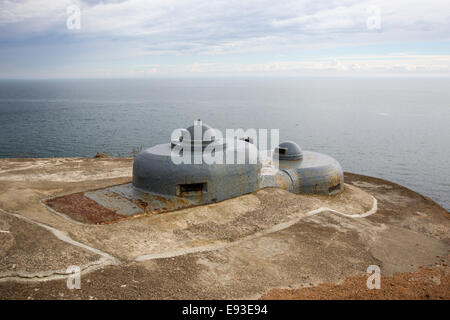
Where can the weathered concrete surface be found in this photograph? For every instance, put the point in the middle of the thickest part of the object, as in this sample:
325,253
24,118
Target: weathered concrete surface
27,250
238,248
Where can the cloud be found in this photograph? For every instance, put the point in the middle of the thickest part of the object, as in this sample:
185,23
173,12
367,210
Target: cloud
243,34
220,22
349,65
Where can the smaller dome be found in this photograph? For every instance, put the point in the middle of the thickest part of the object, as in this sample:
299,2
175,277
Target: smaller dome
289,150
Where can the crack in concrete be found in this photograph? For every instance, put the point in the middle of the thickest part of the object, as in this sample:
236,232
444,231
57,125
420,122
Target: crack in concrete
52,274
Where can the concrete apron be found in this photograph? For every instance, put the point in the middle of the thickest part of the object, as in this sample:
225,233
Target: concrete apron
256,236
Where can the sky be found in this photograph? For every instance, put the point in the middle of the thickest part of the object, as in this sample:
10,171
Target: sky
48,39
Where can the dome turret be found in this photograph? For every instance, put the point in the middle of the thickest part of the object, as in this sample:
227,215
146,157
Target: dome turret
289,150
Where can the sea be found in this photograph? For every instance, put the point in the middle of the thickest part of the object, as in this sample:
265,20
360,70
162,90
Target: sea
395,128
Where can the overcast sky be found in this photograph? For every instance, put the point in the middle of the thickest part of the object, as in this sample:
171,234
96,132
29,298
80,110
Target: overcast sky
159,38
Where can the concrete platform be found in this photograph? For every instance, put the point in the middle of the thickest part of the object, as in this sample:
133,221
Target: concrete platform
237,248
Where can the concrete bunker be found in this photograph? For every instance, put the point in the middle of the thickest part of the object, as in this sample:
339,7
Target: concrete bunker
194,169
179,169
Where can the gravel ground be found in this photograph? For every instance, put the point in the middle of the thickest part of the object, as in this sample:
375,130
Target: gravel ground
427,283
